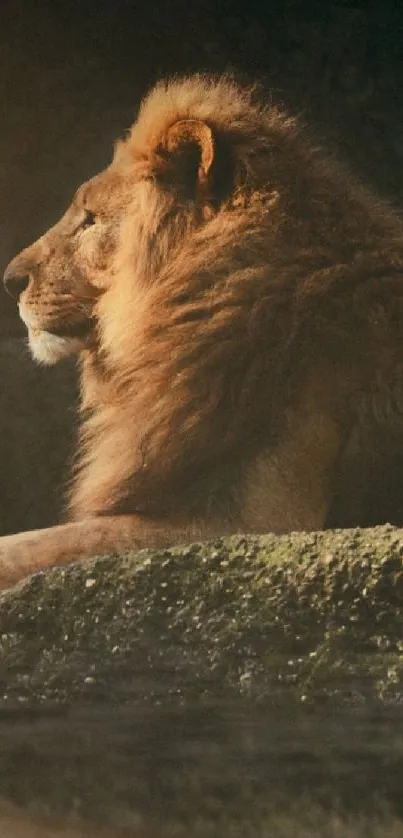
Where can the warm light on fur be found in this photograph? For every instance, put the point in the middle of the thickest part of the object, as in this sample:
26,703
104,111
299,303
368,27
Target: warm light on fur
235,299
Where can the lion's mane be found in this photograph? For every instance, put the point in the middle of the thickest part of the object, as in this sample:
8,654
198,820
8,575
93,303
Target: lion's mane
215,321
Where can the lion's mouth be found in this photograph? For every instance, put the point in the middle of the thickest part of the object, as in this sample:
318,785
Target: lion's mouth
72,330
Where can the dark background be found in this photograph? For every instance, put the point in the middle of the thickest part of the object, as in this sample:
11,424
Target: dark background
72,73
71,77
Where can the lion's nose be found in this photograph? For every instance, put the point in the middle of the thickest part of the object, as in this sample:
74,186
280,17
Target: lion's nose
14,282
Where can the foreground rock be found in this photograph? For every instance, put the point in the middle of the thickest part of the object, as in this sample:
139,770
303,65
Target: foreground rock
247,687
305,613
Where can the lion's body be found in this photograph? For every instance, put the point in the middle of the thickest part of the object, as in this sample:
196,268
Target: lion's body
236,301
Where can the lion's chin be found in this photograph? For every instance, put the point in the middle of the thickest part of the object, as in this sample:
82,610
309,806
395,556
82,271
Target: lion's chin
48,348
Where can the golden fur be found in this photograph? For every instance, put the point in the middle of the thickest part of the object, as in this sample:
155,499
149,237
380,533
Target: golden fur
235,301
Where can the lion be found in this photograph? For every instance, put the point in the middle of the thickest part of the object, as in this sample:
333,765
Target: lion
234,299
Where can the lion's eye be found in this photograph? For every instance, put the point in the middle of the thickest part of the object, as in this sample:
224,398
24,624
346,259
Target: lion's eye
88,221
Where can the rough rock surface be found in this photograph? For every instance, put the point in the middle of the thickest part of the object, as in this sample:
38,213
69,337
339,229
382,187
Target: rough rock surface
248,686
238,614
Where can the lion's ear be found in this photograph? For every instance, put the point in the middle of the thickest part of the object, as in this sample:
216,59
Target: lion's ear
190,150
189,135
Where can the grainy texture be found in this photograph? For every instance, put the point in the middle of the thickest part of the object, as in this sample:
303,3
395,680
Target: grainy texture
65,97
238,615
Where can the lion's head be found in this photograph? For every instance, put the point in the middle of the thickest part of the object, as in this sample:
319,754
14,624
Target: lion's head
200,150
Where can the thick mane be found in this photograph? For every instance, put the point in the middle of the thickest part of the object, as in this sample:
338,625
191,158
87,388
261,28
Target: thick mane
204,357
218,101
